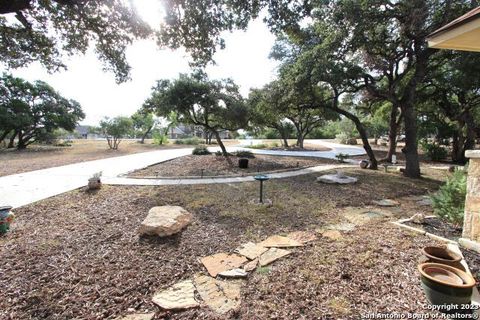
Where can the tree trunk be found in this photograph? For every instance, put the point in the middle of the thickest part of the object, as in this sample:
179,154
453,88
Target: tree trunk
457,148
284,136
11,143
300,140
142,140
412,167
21,144
220,143
392,134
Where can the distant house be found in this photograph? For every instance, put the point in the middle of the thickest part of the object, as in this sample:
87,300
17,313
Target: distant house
185,131
82,131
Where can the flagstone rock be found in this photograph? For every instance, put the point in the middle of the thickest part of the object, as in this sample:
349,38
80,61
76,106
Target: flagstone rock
251,250
344,226
234,273
272,255
165,220
361,216
138,316
337,178
425,202
386,203
302,236
222,262
220,296
252,265
279,242
332,234
179,296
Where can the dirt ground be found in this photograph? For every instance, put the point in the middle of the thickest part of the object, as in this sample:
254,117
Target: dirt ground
78,255
213,165
37,157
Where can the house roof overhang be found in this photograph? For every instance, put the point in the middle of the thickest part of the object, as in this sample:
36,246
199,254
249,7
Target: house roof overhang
462,33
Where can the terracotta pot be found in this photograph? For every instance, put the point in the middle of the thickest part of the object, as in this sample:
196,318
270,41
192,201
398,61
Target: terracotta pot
441,255
446,285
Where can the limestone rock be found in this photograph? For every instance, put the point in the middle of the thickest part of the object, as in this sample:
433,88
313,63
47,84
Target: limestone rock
164,221
302,236
234,273
279,242
252,265
272,255
138,316
220,296
344,226
418,218
179,296
222,262
425,202
251,250
386,203
338,178
332,234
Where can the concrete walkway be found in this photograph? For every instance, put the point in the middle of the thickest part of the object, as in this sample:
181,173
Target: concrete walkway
21,189
24,188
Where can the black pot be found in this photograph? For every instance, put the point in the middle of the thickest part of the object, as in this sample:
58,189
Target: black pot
243,163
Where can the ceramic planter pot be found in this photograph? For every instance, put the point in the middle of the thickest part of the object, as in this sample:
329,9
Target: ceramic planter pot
6,218
441,255
445,285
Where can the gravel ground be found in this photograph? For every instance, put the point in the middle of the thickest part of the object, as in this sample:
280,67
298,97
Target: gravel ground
213,165
78,255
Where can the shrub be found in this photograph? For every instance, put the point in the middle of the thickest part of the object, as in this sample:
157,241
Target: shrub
218,153
258,146
434,151
341,157
341,138
201,151
449,201
194,141
159,138
244,154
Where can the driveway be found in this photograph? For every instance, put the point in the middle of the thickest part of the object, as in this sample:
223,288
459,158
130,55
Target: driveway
24,188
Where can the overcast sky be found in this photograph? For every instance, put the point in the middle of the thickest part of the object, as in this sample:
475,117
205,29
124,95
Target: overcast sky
245,59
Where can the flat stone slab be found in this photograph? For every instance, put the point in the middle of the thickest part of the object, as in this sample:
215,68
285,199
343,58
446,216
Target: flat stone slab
222,262
277,241
252,265
164,221
220,296
234,273
138,316
251,250
302,236
426,202
337,178
332,234
179,296
362,216
344,226
386,203
272,255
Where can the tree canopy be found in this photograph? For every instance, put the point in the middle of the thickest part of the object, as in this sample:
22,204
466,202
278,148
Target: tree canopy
215,105
30,111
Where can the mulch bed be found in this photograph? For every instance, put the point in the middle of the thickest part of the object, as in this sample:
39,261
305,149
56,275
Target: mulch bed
78,255
213,165
440,228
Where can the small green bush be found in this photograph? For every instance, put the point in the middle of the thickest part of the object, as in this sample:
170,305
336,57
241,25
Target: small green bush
341,157
434,151
449,201
194,141
201,151
258,146
244,154
341,138
159,138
